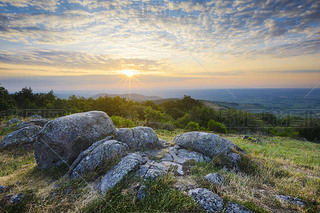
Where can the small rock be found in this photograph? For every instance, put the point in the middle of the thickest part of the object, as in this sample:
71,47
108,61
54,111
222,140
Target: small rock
236,208
17,198
234,162
67,191
167,157
245,137
292,200
142,192
210,201
3,189
13,121
36,116
179,169
214,178
163,142
127,164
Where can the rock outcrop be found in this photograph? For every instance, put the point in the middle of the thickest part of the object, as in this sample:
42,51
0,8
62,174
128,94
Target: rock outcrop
99,154
208,144
210,201
138,138
61,140
129,163
20,136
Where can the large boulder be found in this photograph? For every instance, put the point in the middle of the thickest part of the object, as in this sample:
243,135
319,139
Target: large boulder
99,154
208,200
139,138
20,136
61,140
127,164
206,143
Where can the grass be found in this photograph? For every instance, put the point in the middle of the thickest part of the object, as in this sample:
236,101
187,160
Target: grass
160,197
276,166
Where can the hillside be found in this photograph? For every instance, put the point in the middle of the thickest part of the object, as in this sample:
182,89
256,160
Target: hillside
272,166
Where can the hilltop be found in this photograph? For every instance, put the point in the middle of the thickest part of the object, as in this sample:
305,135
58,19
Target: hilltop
258,174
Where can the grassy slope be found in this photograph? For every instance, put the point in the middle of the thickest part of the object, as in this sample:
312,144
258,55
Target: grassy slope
286,166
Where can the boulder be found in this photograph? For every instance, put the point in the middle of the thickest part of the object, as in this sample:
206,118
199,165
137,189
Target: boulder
99,154
236,208
127,164
61,140
208,144
138,138
208,200
214,178
20,136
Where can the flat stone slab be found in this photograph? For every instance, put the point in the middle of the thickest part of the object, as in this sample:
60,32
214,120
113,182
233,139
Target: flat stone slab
127,164
291,200
98,155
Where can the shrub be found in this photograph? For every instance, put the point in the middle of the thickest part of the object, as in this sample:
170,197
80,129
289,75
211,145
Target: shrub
192,126
119,121
153,115
216,127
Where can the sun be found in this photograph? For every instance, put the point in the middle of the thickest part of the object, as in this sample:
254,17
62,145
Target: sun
128,73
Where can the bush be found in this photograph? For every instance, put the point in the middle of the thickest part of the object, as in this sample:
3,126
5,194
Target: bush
216,127
192,126
119,121
153,115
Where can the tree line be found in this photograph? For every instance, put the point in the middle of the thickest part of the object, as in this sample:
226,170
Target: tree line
186,113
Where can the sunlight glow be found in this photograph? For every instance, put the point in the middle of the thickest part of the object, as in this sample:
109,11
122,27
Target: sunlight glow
129,73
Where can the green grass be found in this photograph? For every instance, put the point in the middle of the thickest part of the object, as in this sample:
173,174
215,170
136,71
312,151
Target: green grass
160,197
296,151
15,158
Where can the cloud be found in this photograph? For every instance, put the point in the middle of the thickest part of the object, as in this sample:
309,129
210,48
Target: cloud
294,71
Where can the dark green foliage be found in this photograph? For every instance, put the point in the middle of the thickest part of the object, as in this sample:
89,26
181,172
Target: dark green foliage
167,115
216,127
6,100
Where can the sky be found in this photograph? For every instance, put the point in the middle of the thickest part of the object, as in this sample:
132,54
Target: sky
95,44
